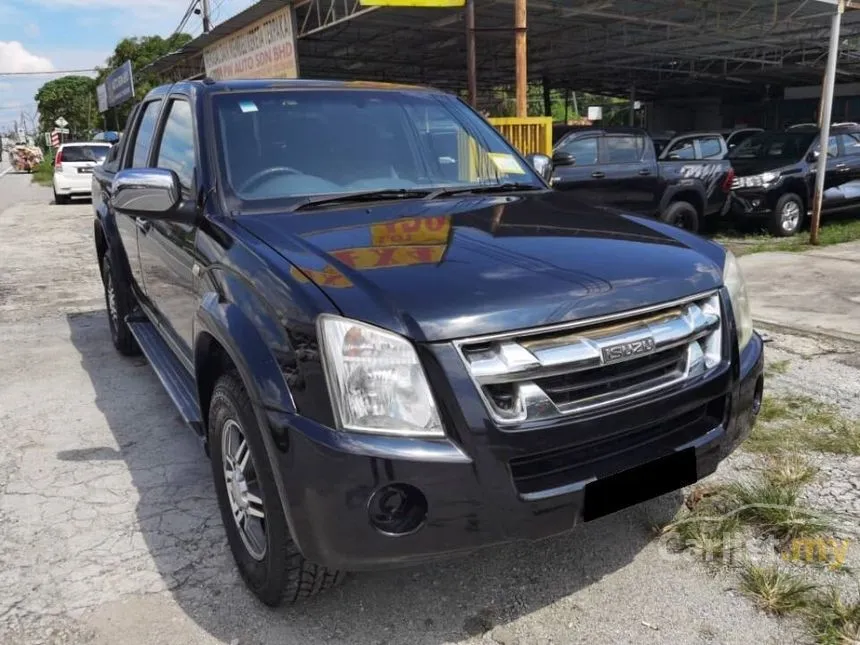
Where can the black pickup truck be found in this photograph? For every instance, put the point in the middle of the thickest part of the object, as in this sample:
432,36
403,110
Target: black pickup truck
395,340
776,175
618,167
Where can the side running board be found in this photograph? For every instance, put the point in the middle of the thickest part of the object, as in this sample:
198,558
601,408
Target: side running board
172,374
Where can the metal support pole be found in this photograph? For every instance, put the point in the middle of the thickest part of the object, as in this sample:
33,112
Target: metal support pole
632,114
547,98
521,57
206,23
824,120
471,60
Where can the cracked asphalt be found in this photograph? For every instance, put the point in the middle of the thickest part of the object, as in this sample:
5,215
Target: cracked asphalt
110,534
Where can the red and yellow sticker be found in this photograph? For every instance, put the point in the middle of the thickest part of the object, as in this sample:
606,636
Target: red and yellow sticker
412,230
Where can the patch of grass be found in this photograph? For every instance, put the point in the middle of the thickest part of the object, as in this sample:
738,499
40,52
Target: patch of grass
707,527
832,620
777,368
773,510
832,232
775,590
789,470
797,423
43,174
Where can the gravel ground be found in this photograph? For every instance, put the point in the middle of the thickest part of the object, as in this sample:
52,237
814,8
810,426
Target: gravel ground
109,531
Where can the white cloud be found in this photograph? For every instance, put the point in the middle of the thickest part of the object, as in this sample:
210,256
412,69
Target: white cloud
14,58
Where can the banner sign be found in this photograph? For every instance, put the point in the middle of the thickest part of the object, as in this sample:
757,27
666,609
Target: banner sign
120,85
412,3
264,49
101,97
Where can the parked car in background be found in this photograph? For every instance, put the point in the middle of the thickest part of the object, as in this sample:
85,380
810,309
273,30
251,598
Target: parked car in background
394,359
694,145
775,175
736,137
73,169
618,167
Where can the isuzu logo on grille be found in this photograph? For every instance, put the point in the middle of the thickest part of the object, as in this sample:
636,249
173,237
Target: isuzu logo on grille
623,351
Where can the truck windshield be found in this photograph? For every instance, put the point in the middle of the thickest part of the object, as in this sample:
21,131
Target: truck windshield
300,143
786,146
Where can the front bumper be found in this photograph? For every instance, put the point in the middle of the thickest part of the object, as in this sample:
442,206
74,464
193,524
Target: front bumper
473,484
751,203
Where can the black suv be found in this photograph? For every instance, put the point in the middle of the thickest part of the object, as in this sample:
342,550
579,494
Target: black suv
396,341
775,175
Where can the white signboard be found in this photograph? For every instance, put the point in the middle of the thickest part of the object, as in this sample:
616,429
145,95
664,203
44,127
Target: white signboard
61,122
264,49
61,130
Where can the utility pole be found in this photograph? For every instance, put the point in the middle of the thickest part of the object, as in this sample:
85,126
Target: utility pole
206,25
824,121
521,54
471,60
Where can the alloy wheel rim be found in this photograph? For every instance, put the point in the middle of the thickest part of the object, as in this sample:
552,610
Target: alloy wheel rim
790,216
243,489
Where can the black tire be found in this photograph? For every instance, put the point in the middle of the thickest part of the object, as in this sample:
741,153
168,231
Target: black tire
683,215
118,307
60,199
787,216
279,573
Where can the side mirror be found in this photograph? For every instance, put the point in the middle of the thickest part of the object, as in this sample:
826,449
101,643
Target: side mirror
542,165
813,156
151,193
563,159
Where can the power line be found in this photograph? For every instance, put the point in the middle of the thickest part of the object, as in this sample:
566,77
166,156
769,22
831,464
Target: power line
185,17
56,71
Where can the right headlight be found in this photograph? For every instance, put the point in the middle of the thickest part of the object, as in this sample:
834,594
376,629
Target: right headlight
375,380
734,281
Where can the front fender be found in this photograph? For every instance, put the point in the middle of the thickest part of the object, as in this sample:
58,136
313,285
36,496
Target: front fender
261,372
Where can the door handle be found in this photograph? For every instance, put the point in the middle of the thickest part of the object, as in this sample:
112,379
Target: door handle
644,171
598,175
842,168
142,225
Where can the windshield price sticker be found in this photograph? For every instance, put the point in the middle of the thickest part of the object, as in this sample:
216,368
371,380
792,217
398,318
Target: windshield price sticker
506,163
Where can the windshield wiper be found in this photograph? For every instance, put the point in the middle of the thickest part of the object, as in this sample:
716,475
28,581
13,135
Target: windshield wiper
366,196
507,187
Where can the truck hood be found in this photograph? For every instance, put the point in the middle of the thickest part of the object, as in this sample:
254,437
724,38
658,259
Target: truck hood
444,269
747,167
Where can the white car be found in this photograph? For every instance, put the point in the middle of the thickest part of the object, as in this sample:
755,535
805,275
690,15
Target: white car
73,169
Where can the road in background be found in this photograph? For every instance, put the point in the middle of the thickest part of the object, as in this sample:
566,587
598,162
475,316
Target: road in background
18,187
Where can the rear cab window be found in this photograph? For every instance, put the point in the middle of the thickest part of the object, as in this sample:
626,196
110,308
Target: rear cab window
84,153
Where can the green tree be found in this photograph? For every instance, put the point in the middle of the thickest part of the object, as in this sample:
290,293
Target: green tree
141,52
70,97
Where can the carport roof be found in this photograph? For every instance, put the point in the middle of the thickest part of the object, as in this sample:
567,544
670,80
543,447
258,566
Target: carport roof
662,47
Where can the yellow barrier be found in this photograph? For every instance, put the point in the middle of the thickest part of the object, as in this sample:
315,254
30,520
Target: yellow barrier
529,135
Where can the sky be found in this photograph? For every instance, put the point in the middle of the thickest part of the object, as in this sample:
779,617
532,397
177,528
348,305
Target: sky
54,35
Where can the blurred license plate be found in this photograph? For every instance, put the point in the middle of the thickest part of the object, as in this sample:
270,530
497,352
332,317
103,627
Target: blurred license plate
85,170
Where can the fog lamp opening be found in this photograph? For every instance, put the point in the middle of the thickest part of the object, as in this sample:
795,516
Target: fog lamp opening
397,509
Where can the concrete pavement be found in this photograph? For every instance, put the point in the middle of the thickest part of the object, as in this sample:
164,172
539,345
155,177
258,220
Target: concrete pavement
813,292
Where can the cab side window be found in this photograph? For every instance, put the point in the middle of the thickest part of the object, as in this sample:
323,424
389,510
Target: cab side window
583,150
683,150
143,135
176,149
711,148
850,143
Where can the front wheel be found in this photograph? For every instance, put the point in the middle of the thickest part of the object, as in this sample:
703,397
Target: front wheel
787,215
257,531
683,215
118,304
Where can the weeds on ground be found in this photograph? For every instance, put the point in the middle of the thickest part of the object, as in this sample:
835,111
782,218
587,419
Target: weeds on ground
832,620
789,470
708,527
773,510
802,423
43,173
775,590
777,368
833,232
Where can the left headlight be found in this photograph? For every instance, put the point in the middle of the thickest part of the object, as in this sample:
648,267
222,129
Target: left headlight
375,380
734,281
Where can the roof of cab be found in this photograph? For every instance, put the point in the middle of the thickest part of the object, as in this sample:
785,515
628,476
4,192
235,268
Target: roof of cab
209,85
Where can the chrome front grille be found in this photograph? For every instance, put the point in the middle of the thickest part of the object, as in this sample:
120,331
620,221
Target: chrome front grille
583,366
